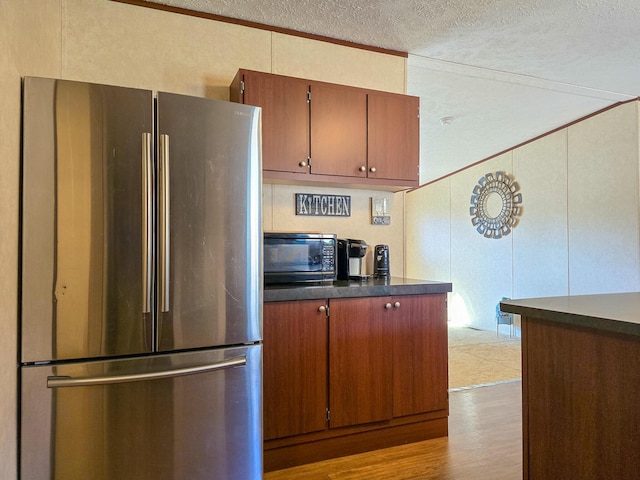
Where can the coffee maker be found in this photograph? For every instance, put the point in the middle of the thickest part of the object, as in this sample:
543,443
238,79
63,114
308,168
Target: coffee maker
351,259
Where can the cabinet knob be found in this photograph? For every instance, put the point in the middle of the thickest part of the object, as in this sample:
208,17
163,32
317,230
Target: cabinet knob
372,169
322,309
363,168
387,306
302,164
396,305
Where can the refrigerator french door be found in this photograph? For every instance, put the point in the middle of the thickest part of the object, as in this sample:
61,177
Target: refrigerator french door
141,317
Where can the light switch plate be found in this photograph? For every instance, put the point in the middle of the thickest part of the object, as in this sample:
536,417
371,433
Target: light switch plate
380,211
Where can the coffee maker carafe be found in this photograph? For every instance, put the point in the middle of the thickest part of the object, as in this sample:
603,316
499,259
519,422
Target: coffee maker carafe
352,259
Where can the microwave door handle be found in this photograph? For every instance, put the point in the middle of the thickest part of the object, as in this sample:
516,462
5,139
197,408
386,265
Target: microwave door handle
165,227
147,222
63,381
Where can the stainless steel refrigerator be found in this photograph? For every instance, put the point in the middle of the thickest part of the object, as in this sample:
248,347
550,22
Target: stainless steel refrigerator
141,285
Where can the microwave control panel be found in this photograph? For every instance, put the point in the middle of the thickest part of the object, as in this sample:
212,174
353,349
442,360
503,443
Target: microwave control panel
329,256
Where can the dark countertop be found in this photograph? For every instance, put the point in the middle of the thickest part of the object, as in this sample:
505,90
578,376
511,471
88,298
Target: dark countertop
373,287
615,312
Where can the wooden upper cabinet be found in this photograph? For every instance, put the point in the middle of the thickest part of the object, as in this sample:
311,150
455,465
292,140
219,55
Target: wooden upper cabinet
285,119
393,127
323,132
294,368
338,131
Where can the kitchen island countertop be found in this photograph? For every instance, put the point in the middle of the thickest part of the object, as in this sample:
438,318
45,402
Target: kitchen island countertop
372,287
614,312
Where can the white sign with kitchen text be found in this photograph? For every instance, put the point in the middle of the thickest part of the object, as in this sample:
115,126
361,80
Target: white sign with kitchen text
313,204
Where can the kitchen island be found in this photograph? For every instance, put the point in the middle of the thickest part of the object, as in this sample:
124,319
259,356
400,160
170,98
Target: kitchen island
581,382
353,366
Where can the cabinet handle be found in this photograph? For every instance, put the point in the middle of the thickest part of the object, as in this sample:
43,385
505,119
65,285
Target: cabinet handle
396,305
322,309
363,168
302,164
372,169
387,306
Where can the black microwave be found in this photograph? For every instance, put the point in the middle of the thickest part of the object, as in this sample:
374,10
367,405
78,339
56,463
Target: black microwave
299,257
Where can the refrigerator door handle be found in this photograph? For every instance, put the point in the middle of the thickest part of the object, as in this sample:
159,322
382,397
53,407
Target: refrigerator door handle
147,222
58,382
164,223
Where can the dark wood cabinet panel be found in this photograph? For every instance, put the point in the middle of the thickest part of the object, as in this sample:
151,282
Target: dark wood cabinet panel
285,119
379,364
360,368
338,131
393,127
342,135
580,390
295,368
420,355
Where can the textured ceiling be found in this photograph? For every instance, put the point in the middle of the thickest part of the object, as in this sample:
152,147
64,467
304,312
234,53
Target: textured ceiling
505,70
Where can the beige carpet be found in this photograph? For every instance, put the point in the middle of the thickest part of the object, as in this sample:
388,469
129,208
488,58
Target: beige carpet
480,357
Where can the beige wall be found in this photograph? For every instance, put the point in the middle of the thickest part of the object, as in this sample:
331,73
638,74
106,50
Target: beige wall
108,42
140,47
475,284
279,203
36,52
603,203
540,240
578,232
301,57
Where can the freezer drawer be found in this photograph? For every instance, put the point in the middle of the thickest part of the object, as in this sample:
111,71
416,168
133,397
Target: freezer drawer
193,415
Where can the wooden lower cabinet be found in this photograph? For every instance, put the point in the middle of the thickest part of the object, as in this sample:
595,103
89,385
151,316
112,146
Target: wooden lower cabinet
343,376
420,354
295,368
360,361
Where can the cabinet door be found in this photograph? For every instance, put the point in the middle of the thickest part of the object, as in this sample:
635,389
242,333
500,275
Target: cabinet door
338,131
295,368
285,119
420,354
394,136
360,361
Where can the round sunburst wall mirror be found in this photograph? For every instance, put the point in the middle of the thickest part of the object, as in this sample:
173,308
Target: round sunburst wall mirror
495,205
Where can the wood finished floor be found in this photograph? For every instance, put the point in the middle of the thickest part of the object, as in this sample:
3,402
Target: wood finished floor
484,443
